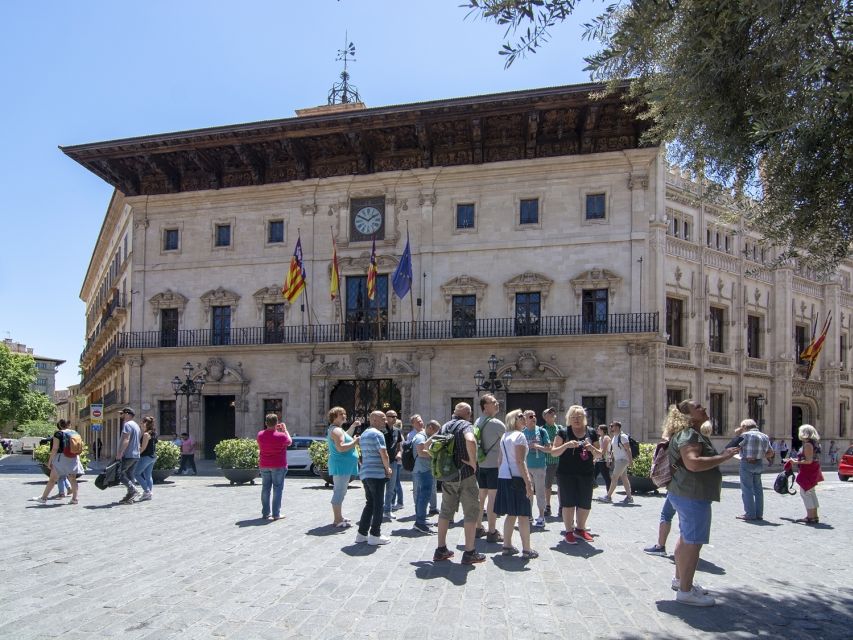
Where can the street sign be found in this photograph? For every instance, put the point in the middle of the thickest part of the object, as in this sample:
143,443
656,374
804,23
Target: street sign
96,426
97,412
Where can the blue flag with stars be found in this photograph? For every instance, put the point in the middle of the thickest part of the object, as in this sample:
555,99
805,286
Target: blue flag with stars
402,278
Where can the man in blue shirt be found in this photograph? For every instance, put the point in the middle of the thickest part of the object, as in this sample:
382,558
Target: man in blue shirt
374,474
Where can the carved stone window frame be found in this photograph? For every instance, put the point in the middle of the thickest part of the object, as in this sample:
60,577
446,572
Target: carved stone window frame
527,282
357,266
167,299
608,204
529,195
596,278
269,295
161,238
217,222
463,285
219,297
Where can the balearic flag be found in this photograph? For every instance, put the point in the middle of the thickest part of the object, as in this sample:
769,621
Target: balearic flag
402,278
295,282
335,282
371,273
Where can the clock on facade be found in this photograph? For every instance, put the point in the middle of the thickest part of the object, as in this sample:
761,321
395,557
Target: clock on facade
367,219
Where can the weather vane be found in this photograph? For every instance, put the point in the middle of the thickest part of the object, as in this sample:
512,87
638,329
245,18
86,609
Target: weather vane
343,92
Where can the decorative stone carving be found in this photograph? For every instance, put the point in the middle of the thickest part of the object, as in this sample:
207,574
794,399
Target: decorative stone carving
215,369
218,297
358,266
596,279
269,295
463,286
638,181
167,299
363,365
527,281
528,366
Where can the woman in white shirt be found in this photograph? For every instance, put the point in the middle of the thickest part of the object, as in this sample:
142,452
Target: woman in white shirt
515,487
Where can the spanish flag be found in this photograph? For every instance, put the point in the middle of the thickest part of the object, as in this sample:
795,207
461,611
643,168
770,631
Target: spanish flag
811,352
295,282
371,273
334,284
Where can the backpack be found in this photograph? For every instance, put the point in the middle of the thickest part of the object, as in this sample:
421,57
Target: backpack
784,483
72,443
661,471
632,444
408,456
442,450
478,436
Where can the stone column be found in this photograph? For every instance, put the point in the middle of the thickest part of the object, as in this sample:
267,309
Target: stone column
781,355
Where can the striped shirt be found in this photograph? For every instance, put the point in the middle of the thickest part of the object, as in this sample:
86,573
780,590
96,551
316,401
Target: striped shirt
371,442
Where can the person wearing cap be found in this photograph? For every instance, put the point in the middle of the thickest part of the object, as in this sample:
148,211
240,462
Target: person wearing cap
128,453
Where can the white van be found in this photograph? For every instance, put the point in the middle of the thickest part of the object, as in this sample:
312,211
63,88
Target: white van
29,443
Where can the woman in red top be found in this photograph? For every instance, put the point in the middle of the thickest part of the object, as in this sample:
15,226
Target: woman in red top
272,460
808,475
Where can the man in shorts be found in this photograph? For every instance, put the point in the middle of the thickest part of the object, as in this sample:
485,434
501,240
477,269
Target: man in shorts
491,432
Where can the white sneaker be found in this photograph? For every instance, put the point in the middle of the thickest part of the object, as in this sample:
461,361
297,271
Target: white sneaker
695,598
676,585
539,522
145,496
377,540
360,538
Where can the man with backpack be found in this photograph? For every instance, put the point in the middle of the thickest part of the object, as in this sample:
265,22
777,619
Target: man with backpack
454,457
64,460
621,457
488,431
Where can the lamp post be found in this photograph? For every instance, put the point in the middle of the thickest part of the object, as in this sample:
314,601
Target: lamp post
187,387
759,402
492,384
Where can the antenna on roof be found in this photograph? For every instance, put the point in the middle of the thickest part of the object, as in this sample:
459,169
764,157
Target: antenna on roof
343,92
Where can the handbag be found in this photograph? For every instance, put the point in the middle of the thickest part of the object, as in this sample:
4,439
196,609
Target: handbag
516,482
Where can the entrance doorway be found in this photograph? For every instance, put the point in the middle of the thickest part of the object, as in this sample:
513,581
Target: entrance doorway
537,402
360,397
218,422
797,420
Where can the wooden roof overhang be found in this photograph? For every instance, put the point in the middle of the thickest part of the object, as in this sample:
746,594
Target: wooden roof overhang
519,125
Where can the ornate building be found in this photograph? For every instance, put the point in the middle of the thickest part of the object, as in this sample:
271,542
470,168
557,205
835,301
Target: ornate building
541,231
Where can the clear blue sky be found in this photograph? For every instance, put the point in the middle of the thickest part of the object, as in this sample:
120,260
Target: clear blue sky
88,71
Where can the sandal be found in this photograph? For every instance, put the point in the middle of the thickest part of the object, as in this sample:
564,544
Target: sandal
343,524
529,554
509,551
73,501
807,520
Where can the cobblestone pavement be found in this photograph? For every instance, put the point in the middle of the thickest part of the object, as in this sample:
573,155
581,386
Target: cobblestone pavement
196,562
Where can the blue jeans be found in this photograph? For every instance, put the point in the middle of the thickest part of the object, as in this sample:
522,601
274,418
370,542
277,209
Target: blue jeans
751,491
272,478
391,487
423,483
371,516
143,472
667,512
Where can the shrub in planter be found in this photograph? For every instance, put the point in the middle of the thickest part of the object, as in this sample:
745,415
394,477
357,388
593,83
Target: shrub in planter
237,453
640,469
168,456
319,454
42,452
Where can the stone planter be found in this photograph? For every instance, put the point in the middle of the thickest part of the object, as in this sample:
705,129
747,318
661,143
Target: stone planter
160,475
642,485
322,472
241,476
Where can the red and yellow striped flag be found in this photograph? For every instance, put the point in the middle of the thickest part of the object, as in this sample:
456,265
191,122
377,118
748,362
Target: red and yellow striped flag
295,282
371,273
335,282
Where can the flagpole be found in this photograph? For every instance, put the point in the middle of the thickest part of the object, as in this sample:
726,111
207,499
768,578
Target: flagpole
411,292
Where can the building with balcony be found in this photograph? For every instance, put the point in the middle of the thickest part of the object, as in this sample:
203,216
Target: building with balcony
541,231
45,381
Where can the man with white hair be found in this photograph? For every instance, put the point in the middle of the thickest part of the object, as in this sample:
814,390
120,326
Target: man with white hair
754,448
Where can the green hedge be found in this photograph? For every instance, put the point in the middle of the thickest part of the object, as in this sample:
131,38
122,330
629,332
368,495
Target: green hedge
237,453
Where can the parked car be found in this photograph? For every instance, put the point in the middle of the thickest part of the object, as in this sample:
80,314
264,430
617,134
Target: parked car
297,453
845,465
29,443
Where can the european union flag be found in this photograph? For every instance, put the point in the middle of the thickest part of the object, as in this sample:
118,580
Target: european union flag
402,278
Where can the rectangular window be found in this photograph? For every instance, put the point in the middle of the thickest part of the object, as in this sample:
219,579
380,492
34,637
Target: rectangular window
527,312
801,341
674,397
366,319
715,329
595,209
168,420
529,211
842,350
753,336
220,325
728,243
674,322
842,420
594,310
168,327
272,405
464,216
753,411
716,408
686,234
464,315
273,323
596,410
708,237
170,239
275,231
223,235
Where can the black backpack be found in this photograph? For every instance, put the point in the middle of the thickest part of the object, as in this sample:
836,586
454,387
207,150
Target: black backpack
408,456
633,444
784,483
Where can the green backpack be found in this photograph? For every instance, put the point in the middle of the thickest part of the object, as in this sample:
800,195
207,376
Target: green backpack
478,436
442,450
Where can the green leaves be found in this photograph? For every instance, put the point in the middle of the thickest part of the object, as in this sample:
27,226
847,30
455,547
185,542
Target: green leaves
168,455
17,402
239,453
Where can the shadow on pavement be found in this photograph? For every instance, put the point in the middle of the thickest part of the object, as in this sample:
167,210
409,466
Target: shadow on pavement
454,573
511,563
728,484
819,525
577,550
253,522
410,533
359,549
327,530
709,567
109,505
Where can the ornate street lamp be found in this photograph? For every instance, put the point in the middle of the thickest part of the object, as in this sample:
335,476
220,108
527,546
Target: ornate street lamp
759,402
492,384
187,387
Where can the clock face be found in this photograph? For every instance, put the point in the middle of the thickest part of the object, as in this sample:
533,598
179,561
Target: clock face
368,220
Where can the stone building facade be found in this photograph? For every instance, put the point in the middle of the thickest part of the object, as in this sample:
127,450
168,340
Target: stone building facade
541,232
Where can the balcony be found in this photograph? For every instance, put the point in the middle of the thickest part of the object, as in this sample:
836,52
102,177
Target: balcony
110,398
114,308
84,412
103,361
618,323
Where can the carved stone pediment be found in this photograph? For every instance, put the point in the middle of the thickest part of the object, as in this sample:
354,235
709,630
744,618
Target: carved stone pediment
168,299
596,279
464,286
218,297
528,365
524,283
358,266
269,295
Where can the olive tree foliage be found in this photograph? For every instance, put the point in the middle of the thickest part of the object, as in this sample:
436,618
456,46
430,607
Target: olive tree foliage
18,402
754,96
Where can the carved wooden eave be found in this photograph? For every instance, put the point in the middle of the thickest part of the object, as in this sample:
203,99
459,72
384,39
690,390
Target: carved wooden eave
596,279
536,123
